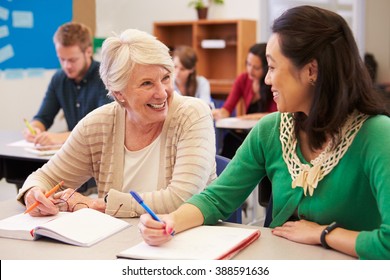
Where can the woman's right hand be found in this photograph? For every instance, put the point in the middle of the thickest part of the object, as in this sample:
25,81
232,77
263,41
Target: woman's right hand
153,232
28,136
45,208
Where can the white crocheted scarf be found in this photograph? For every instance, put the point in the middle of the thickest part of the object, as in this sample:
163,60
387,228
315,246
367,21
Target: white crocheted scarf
307,176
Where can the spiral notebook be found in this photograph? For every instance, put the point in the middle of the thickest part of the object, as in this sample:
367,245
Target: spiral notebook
200,243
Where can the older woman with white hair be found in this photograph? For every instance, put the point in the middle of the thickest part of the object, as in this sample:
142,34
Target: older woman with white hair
151,140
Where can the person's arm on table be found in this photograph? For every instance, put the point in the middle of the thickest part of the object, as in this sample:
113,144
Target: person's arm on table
46,206
220,113
254,116
37,127
51,138
68,200
75,201
42,137
307,232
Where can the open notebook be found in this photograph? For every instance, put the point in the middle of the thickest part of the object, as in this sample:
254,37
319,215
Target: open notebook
203,243
84,227
40,152
36,150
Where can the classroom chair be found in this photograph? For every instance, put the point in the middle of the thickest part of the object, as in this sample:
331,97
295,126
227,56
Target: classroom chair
265,199
222,162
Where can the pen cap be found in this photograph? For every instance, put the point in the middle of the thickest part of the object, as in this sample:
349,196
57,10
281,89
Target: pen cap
136,197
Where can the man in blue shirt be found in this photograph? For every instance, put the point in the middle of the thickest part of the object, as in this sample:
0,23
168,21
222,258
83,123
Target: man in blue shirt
76,88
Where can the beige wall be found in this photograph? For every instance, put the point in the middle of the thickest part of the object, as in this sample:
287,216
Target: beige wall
378,35
84,11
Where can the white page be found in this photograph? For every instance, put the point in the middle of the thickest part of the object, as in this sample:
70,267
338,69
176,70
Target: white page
38,152
204,242
20,225
22,143
84,227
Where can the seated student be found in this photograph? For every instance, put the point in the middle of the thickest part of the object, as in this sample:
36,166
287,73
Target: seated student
256,94
327,152
151,140
76,88
187,82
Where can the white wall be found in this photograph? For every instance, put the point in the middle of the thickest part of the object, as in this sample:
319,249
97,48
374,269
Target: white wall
126,14
139,14
21,98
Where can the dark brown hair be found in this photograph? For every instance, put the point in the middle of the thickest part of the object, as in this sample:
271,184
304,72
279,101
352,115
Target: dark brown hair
343,84
188,59
73,34
265,90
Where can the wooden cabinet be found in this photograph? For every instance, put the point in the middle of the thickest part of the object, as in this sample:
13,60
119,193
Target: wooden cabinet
219,65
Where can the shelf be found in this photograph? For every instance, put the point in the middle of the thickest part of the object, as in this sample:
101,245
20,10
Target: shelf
221,87
220,66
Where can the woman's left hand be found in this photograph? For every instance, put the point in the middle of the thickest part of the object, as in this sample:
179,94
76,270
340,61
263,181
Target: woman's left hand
70,201
300,231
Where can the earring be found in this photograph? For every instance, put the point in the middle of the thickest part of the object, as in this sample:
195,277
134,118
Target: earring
312,82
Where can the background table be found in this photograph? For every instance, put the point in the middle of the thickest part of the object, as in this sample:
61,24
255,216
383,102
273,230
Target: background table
15,162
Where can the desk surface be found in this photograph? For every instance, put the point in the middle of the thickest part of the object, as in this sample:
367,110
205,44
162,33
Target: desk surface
267,247
7,151
235,123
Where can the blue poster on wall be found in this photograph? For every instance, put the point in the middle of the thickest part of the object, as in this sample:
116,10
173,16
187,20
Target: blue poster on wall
26,32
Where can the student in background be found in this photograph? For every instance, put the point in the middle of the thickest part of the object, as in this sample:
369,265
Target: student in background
76,88
257,96
251,87
187,82
150,140
372,67
327,152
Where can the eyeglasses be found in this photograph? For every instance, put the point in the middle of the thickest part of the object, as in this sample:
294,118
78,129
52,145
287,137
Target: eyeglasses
67,204
80,203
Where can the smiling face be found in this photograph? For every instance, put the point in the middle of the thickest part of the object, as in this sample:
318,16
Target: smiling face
147,95
291,87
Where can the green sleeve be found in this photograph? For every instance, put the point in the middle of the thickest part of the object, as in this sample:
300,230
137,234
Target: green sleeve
375,244
241,176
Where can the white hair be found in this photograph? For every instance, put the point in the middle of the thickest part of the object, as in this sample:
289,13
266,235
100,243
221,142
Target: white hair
121,53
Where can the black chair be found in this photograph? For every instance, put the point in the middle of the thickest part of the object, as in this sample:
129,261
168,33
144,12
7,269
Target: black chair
265,199
222,162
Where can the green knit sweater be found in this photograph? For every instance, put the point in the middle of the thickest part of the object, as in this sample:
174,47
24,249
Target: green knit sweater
356,193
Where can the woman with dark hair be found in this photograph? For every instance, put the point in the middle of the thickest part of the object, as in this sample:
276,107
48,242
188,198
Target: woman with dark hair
251,87
257,97
187,81
326,151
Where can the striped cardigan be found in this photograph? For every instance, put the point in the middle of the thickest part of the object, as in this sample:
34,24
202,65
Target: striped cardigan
95,148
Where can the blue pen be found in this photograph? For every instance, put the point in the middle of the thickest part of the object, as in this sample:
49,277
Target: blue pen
146,207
